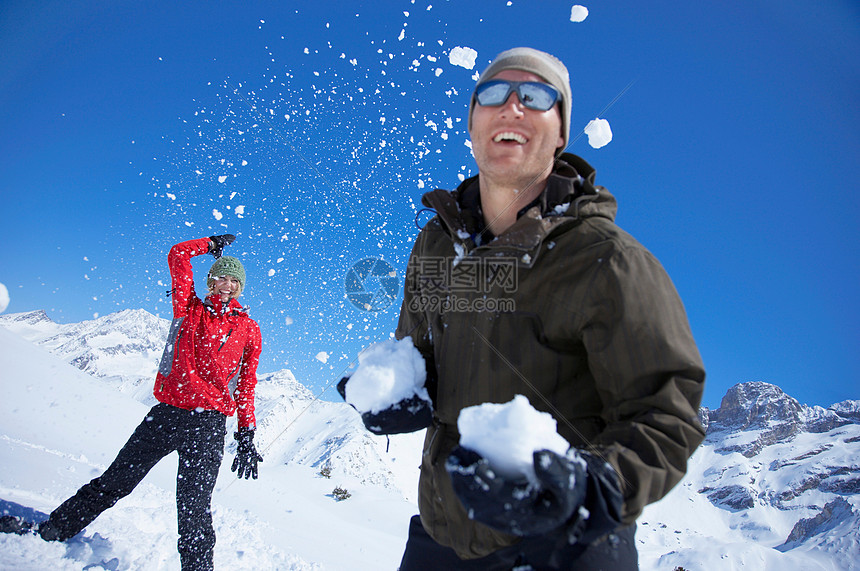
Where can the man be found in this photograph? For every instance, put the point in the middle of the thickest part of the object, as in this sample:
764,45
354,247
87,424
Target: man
523,284
207,372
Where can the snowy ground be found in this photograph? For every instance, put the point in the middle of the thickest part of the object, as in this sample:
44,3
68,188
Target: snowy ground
59,427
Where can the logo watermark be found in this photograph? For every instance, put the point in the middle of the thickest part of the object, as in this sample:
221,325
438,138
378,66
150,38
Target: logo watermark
455,303
371,284
462,284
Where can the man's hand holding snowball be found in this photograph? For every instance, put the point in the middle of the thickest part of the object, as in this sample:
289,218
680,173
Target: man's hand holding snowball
558,490
406,415
388,388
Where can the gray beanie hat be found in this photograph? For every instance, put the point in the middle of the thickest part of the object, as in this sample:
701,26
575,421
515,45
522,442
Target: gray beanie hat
541,64
226,266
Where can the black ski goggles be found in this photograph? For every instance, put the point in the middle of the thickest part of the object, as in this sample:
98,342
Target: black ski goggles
532,94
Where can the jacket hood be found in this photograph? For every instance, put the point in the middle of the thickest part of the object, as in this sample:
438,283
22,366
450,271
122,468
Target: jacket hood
570,196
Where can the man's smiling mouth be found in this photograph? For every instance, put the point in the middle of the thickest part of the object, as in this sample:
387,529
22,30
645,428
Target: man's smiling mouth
510,136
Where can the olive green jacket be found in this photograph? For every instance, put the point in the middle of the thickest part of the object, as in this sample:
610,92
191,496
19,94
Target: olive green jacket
570,311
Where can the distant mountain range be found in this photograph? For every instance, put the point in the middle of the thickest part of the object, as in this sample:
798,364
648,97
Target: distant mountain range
776,483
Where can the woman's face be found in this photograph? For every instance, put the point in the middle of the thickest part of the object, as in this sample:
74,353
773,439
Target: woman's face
226,287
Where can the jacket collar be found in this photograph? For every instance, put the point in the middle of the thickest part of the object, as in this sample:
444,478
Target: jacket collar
570,195
215,306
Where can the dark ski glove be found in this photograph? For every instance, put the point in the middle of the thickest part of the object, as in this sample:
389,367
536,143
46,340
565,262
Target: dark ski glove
565,485
218,243
407,415
246,455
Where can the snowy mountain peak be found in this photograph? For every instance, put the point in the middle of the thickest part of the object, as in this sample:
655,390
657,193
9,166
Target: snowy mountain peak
29,318
755,405
28,325
847,409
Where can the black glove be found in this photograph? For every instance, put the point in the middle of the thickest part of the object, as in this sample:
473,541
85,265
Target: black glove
218,243
407,415
518,506
246,455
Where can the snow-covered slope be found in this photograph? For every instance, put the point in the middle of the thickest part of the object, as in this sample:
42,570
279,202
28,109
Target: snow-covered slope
60,427
775,484
122,348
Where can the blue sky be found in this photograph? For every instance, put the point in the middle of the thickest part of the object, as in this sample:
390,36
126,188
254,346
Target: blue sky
311,130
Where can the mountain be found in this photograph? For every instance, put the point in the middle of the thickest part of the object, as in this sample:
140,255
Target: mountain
124,349
775,479
774,485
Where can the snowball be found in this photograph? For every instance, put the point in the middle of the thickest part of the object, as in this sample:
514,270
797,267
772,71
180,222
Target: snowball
217,214
508,434
464,57
4,298
578,13
599,133
387,373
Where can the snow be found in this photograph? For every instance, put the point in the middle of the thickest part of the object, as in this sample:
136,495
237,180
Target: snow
463,57
507,435
61,426
4,297
388,372
578,13
599,133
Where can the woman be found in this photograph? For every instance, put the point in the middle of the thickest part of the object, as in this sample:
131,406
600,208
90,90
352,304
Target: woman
207,372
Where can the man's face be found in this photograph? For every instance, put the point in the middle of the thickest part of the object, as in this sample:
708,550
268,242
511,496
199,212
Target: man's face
511,143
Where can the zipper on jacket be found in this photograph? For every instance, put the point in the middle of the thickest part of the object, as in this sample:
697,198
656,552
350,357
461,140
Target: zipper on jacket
225,339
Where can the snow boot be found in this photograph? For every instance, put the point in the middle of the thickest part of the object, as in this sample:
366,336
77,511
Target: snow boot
48,531
15,524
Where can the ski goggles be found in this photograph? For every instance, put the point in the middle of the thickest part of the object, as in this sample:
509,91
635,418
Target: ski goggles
532,94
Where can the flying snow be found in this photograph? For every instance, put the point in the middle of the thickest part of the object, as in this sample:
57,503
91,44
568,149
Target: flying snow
388,372
4,298
464,57
322,357
508,434
599,133
578,13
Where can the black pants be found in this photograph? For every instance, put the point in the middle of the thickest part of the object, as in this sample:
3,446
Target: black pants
199,439
614,552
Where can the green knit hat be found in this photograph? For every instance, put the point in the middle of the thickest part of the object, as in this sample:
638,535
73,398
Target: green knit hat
541,64
226,266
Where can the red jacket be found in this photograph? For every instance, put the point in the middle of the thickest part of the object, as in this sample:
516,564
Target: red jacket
210,360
